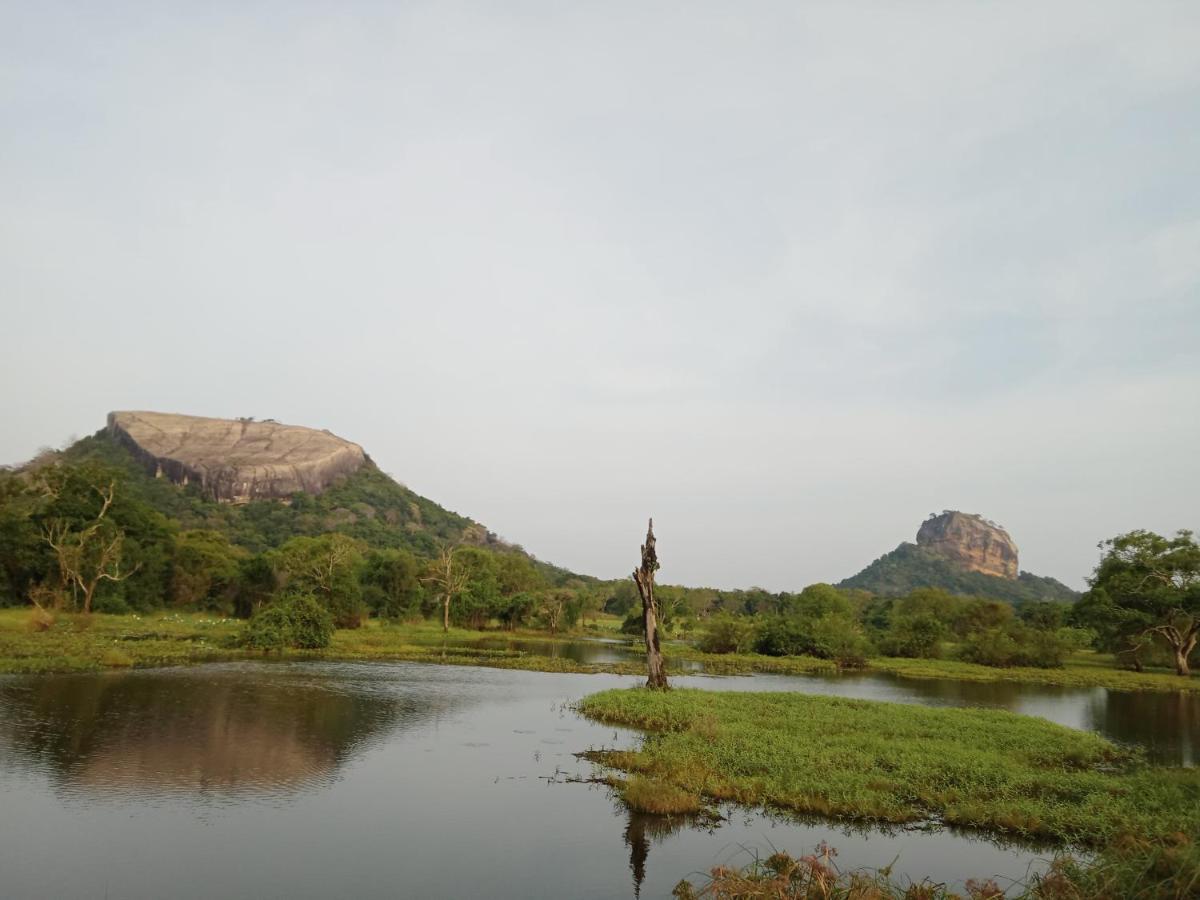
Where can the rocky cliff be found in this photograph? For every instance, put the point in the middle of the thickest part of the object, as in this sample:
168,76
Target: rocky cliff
236,460
960,553
970,541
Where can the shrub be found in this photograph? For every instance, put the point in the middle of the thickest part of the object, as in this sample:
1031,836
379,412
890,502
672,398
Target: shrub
989,647
40,619
114,604
1077,638
832,636
1015,645
782,636
297,620
725,634
1042,650
915,637
838,637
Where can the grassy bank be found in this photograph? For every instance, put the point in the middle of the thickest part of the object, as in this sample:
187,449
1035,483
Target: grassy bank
79,643
1081,670
99,641
883,762
1007,774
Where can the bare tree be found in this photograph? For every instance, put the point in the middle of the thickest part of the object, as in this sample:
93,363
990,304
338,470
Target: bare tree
643,577
89,555
448,580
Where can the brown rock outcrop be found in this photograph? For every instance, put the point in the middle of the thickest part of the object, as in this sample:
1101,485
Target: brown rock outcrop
971,541
236,460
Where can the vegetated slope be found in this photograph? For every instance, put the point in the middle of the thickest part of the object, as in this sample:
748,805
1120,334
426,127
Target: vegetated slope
909,567
367,504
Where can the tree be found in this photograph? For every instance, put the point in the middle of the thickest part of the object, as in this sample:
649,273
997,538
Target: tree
205,569
326,567
447,579
1149,585
643,577
392,578
559,607
90,554
479,597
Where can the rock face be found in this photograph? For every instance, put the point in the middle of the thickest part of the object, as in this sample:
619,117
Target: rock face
236,460
970,541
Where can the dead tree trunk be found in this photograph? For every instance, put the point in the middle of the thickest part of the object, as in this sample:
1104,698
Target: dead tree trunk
643,577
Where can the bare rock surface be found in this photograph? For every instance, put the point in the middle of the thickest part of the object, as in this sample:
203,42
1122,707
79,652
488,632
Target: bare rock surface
971,541
237,460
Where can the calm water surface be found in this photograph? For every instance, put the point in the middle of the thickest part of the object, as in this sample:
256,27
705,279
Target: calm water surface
1165,725
346,780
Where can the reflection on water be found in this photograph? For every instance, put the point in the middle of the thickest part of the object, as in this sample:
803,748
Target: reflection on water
1166,725
585,651
332,779
206,730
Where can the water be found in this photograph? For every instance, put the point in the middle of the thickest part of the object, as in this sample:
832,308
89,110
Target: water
335,779
1165,725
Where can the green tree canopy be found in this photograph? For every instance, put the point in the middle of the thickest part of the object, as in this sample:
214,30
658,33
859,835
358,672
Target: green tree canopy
1147,585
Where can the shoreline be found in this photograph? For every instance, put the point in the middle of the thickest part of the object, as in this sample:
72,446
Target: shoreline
112,642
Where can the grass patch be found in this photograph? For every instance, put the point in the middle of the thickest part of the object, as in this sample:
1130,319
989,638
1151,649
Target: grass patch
1143,870
659,798
1081,670
865,760
72,643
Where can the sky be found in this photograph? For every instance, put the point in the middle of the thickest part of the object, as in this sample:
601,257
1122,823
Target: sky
786,276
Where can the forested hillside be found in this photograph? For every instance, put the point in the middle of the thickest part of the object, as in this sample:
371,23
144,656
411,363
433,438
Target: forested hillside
909,567
143,542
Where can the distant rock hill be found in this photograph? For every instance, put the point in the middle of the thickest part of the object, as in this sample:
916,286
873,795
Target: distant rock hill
236,460
962,553
261,483
970,541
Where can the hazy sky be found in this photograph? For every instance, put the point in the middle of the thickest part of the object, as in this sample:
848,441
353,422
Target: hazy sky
787,276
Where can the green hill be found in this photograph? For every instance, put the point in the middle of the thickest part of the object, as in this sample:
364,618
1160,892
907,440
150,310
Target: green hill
367,504
153,513
909,567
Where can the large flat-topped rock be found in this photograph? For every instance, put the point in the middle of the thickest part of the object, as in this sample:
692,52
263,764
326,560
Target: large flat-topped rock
237,459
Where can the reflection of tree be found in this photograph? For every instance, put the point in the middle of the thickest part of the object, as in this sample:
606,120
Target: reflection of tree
643,829
228,729
1166,724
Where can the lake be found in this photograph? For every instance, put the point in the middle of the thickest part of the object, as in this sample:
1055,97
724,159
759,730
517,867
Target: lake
1164,724
336,779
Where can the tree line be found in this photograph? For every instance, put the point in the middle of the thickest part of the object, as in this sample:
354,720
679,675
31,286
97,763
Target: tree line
75,537
90,534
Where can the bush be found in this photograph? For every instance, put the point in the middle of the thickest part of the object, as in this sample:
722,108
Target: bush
114,604
989,647
782,636
1015,645
838,637
1077,638
915,637
725,634
832,636
296,621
